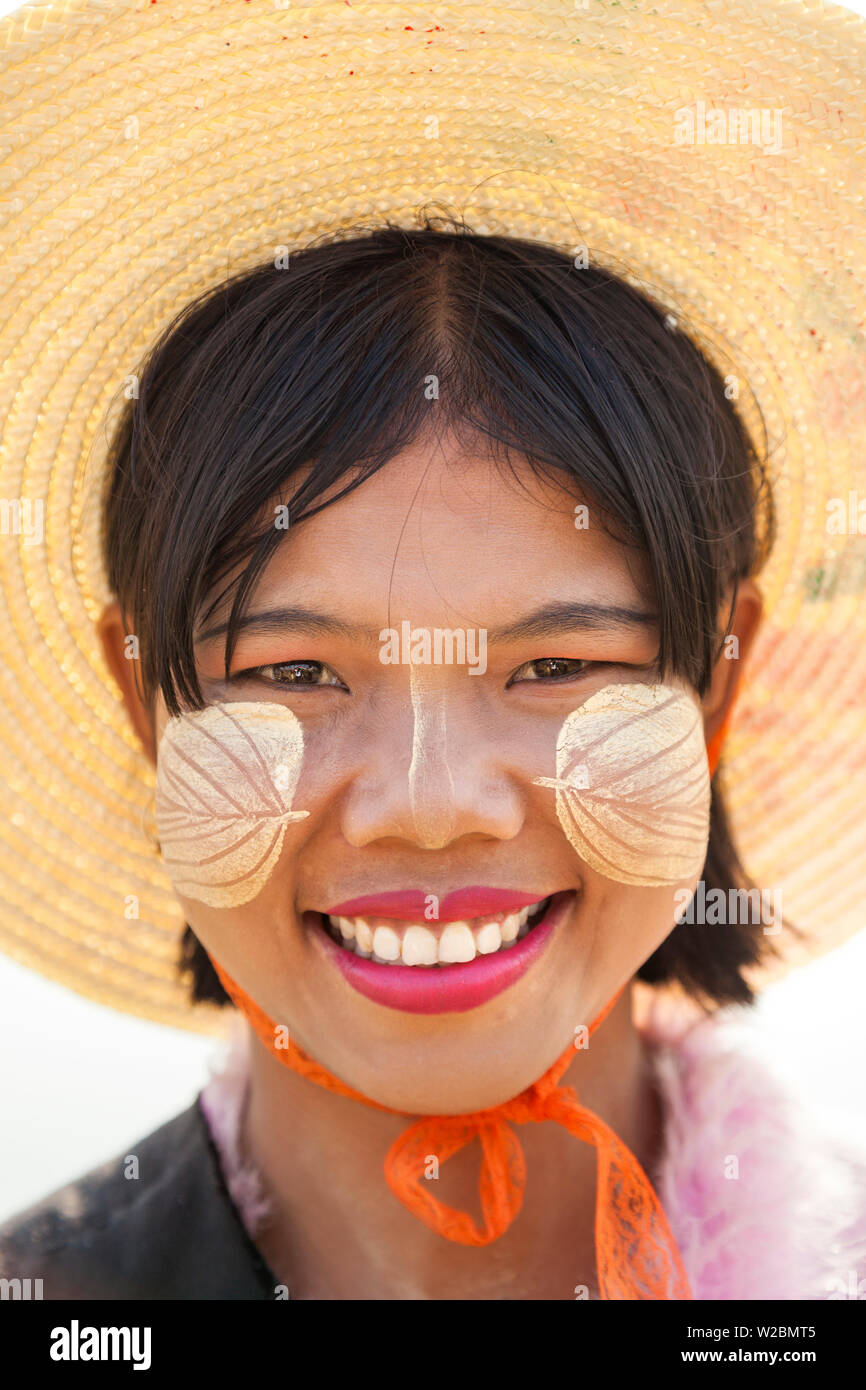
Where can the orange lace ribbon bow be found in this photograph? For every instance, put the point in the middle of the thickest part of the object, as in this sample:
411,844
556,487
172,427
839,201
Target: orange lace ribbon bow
636,1253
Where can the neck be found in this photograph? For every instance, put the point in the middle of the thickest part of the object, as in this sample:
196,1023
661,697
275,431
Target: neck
339,1233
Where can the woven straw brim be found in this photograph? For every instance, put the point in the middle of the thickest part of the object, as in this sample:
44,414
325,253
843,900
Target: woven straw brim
149,149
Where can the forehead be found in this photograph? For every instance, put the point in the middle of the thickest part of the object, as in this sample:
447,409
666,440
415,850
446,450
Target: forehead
441,529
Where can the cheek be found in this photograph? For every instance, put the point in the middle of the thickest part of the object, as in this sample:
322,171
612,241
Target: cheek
633,784
225,780
619,926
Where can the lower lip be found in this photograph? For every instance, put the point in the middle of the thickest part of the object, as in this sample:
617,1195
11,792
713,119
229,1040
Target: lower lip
451,988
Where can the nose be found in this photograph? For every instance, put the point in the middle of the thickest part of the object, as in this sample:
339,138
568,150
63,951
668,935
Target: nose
432,776
431,785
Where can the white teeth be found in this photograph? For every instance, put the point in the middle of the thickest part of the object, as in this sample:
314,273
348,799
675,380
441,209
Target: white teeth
420,947
488,938
510,928
386,943
363,938
457,943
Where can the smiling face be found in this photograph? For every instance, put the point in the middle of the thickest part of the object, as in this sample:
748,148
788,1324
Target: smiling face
421,775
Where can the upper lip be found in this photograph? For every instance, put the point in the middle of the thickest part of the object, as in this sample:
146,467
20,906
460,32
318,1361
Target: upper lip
410,904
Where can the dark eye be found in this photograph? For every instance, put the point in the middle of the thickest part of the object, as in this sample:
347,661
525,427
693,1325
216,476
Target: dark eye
292,674
555,668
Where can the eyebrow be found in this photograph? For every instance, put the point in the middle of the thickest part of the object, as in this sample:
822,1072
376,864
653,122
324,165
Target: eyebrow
550,620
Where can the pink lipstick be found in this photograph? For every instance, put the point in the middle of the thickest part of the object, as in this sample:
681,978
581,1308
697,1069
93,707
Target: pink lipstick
409,904
446,988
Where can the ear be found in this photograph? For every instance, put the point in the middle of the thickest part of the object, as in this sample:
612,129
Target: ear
113,631
719,699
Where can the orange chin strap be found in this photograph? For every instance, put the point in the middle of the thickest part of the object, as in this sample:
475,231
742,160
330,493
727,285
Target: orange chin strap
636,1253
714,747
635,1250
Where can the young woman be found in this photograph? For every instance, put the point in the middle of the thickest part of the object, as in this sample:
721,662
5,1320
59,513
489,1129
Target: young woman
373,661
434,884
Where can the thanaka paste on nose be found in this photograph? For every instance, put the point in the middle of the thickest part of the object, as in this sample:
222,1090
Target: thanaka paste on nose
633,784
225,780
431,786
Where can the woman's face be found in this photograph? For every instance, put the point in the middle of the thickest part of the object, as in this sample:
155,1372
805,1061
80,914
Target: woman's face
422,776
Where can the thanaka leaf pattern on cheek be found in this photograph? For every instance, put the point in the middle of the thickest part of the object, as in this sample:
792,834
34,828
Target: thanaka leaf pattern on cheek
633,784
226,776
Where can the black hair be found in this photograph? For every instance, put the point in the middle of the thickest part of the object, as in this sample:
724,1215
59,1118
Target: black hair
320,358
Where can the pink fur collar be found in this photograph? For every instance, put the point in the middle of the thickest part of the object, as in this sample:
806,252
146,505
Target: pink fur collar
763,1205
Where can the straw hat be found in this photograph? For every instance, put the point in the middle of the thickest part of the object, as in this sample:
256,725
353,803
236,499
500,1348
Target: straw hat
149,149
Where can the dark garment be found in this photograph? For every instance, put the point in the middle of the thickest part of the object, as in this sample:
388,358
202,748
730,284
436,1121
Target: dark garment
171,1233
